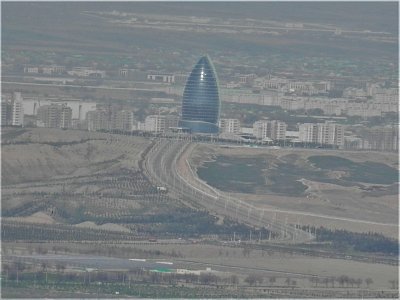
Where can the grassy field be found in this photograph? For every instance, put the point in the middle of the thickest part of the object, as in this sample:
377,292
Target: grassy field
316,183
270,175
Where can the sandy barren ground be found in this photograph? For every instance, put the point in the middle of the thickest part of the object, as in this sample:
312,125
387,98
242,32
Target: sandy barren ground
44,153
37,218
107,226
49,172
323,204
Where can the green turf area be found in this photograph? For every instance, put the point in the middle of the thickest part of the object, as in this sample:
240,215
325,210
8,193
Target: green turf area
268,175
368,172
247,175
227,173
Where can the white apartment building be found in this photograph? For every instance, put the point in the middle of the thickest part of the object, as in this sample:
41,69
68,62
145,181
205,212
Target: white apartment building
32,70
17,110
160,123
229,126
79,107
66,117
87,72
49,70
327,133
273,129
308,132
169,78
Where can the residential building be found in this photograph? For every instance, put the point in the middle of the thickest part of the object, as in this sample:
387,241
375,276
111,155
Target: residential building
54,116
273,129
229,125
168,78
308,132
17,110
122,120
6,110
87,72
49,70
98,119
327,133
154,123
66,117
160,123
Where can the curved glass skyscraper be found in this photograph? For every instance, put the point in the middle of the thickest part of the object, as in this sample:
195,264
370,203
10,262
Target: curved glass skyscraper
201,104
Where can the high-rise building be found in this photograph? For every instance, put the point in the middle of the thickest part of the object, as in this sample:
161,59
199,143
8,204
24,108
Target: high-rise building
122,120
54,116
6,111
201,103
98,120
273,129
308,132
229,126
17,110
66,117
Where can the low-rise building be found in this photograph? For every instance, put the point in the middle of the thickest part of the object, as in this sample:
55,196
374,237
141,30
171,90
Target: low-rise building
168,78
87,72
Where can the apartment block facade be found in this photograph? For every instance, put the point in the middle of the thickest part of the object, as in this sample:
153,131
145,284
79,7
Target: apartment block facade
273,129
229,126
327,133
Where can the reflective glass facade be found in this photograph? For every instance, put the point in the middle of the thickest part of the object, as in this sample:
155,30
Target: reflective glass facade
201,104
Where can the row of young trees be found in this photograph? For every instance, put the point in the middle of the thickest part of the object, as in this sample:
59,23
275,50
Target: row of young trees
363,242
342,281
56,273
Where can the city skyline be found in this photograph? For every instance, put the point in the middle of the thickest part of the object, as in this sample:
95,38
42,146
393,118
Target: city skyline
213,150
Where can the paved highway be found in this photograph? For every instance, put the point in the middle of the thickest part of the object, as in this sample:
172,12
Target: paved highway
163,165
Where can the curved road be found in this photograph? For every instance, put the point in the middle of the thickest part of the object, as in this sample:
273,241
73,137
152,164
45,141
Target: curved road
161,165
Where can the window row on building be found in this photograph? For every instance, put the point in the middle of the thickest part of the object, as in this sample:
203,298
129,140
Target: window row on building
54,116
110,119
159,123
12,110
327,133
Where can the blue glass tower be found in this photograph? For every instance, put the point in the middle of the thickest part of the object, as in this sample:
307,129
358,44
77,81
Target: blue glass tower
201,103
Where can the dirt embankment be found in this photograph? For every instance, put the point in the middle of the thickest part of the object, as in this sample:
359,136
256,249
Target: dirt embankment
40,154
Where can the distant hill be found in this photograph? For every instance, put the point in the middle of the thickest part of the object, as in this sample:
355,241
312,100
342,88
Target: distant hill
374,16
